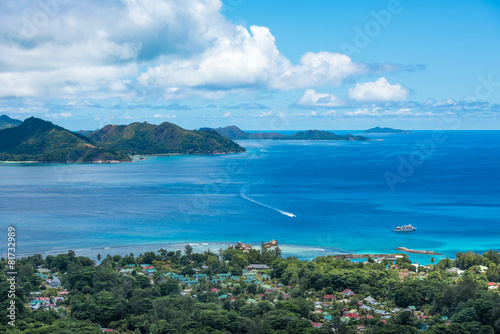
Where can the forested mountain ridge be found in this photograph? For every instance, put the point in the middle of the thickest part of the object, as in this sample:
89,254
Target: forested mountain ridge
166,138
41,141
233,132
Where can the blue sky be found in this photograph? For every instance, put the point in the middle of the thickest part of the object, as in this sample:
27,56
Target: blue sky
269,65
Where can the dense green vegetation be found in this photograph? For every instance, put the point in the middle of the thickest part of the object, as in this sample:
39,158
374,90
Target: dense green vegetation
321,135
233,132
7,122
378,129
145,138
42,141
282,299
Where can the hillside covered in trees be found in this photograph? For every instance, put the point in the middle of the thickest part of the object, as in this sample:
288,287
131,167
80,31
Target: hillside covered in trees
166,138
185,292
41,141
7,122
233,132
36,140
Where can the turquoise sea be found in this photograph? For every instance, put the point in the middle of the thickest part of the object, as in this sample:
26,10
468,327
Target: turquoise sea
449,188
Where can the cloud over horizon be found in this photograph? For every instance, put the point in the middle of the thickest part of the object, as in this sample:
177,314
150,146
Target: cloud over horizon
141,58
378,91
169,48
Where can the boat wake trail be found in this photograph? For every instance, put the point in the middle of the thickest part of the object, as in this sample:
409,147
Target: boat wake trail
243,195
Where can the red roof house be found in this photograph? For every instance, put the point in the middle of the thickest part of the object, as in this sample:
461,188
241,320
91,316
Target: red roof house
348,292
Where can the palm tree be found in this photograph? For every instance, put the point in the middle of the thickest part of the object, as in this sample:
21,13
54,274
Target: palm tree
278,251
163,254
188,250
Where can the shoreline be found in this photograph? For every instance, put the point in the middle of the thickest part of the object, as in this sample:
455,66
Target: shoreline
304,252
301,251
415,251
116,161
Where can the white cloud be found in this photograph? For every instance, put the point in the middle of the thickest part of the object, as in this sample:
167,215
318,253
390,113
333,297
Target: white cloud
313,99
329,113
174,49
267,113
440,103
228,114
400,112
363,112
318,70
378,91
60,115
164,116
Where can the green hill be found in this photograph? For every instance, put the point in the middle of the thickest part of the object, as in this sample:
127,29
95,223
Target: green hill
233,132
322,135
7,122
42,141
378,129
166,138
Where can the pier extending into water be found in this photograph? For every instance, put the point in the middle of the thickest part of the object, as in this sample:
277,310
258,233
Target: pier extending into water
365,256
414,251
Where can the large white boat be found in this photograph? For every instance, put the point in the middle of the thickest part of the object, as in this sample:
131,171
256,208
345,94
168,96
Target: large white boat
405,228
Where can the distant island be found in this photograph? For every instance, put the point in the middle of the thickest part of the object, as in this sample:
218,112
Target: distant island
36,140
378,129
233,132
7,122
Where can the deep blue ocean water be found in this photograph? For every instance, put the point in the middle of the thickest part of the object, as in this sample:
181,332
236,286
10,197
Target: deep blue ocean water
338,191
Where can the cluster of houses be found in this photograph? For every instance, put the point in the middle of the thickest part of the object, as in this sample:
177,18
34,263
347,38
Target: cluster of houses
249,275
368,308
225,279
44,274
46,303
325,306
141,268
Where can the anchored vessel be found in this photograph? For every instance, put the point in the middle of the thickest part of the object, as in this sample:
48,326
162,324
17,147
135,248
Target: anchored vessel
405,228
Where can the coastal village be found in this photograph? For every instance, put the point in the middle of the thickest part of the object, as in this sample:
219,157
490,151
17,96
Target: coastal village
258,285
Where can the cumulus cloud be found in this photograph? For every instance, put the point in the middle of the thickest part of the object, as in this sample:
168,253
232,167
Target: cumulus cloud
378,91
318,70
60,115
330,113
363,112
440,103
169,49
313,99
267,113
164,116
399,112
